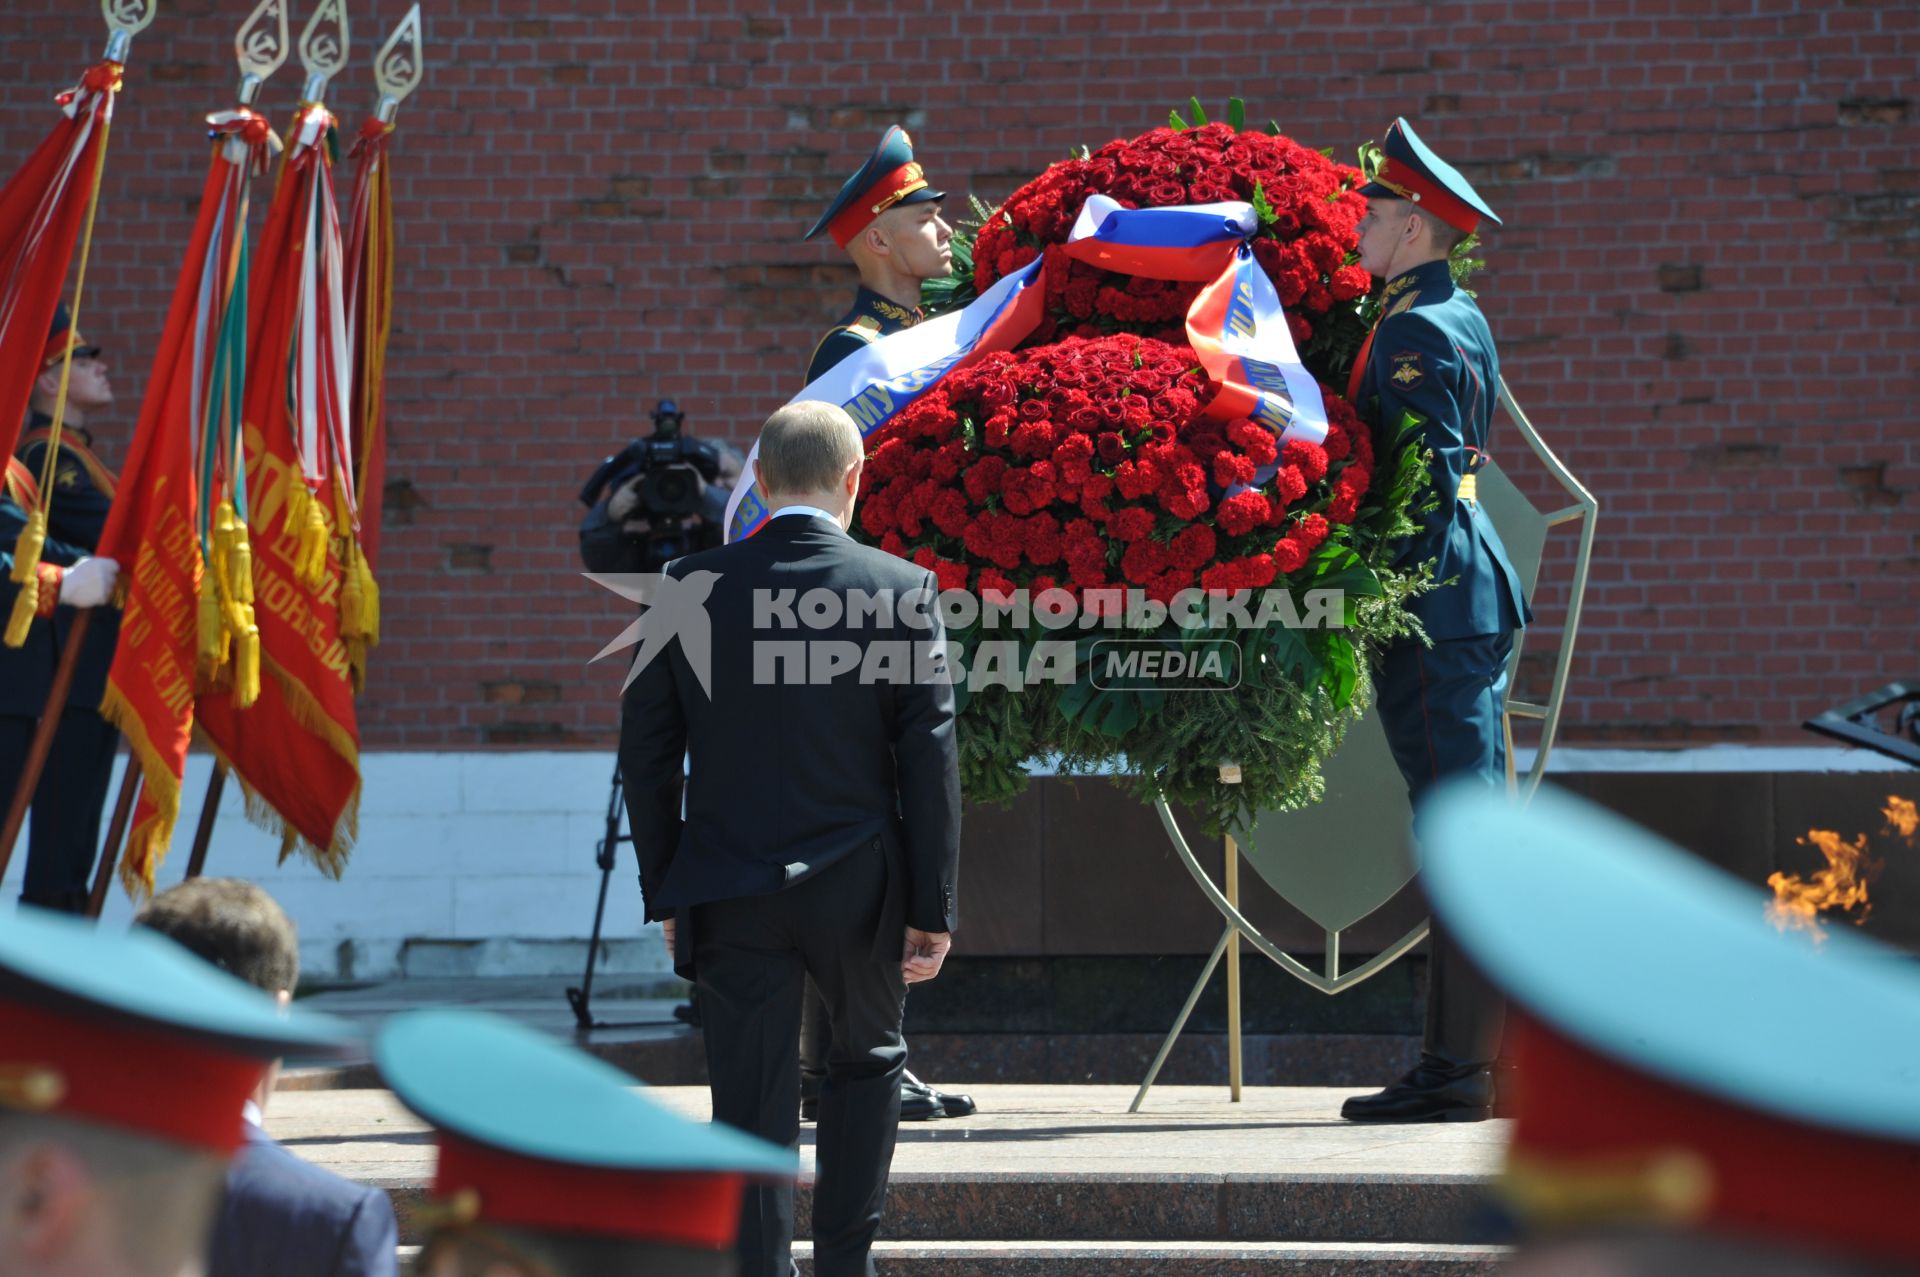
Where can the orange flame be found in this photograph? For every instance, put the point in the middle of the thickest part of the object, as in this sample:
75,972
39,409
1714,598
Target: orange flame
1798,902
1902,816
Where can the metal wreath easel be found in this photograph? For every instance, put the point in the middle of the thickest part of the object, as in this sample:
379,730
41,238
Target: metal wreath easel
1225,896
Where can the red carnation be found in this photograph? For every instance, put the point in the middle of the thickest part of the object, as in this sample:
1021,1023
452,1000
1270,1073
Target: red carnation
1312,532
1310,458
1242,512
1289,555
984,478
1230,468
1130,523
1192,547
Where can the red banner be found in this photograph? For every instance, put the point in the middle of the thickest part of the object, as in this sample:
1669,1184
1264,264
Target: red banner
296,751
41,210
173,616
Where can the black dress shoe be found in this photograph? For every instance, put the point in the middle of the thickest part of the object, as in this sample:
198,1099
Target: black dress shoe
1436,1091
951,1105
918,1103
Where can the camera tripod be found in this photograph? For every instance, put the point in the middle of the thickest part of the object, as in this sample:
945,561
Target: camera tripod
581,998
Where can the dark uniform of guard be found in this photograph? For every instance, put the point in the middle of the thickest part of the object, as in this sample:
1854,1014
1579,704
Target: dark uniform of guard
889,178
1430,365
1697,1092
871,318
553,1164
65,830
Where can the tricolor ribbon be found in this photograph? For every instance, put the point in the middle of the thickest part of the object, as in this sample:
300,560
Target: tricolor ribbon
1236,324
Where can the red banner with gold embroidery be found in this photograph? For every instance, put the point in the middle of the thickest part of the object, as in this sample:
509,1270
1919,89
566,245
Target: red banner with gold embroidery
296,751
177,627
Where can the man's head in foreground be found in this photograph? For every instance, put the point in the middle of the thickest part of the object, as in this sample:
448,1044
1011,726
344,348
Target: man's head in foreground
811,454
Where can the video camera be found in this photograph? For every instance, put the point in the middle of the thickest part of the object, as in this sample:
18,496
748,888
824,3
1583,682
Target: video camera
677,476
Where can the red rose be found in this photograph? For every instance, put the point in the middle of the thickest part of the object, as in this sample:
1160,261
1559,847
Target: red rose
1113,449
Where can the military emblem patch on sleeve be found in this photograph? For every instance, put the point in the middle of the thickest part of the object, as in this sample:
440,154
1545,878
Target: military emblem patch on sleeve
1407,372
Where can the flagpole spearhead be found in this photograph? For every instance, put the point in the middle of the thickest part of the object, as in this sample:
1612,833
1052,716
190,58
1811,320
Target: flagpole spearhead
323,48
261,47
125,20
400,65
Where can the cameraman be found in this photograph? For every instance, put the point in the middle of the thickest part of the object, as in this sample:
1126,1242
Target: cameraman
625,503
658,498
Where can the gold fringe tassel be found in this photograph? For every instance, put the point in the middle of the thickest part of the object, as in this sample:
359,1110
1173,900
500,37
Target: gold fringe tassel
26,573
310,559
359,612
26,551
237,575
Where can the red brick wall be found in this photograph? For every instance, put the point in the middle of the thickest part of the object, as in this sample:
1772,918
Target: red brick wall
1703,292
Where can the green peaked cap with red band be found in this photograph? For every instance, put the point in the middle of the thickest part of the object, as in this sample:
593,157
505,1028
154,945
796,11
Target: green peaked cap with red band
1411,171
1678,1059
129,1030
535,1134
890,177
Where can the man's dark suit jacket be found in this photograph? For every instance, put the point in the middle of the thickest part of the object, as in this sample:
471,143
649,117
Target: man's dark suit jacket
288,1218
787,778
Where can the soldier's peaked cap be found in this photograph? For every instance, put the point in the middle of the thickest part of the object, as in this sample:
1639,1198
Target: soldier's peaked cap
129,1030
1678,1059
535,1134
1411,171
890,177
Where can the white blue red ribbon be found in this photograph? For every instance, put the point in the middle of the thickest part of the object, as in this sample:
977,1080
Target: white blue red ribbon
1237,327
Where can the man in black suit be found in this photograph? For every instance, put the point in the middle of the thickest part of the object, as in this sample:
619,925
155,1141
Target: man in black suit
821,825
281,1215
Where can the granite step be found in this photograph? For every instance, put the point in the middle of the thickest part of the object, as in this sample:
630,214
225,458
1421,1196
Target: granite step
1147,1259
1356,1209
1183,1259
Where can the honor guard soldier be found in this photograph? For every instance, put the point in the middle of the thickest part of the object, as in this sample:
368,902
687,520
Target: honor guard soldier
65,830
1696,1092
1429,367
552,1165
888,220
124,1064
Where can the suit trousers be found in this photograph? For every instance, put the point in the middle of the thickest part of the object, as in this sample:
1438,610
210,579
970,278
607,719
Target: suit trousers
752,957
64,834
1441,707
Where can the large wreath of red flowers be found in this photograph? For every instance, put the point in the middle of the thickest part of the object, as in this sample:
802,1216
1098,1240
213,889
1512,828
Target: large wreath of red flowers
1085,464
1310,216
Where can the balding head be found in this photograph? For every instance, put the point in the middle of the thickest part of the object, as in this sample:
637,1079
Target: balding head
810,454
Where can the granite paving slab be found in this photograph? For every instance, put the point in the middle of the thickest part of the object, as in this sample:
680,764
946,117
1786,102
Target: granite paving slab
1068,1162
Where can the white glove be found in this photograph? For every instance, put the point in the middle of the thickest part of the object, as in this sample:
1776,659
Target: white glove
88,583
